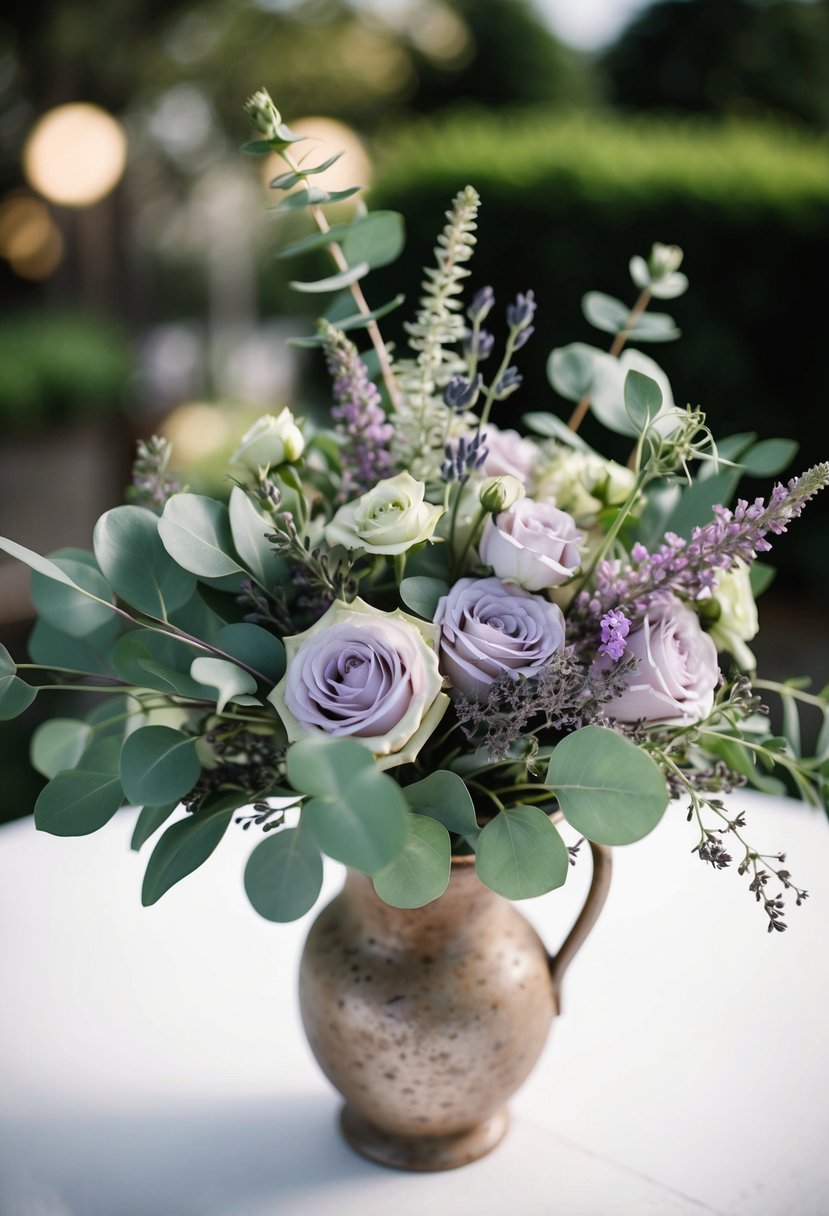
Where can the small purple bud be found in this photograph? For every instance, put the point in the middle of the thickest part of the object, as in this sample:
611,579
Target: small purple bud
482,303
507,383
521,313
461,394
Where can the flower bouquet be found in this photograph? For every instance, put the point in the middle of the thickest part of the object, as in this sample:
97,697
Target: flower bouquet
414,640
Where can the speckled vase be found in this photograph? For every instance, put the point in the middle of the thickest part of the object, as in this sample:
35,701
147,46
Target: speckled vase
427,1020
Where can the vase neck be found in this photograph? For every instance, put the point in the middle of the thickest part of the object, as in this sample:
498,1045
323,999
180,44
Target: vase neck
464,909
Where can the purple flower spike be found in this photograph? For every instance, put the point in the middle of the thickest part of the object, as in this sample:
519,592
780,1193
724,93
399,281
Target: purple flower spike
615,628
359,417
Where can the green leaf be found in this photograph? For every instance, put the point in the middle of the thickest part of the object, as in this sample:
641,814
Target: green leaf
768,457
81,800
520,854
655,327
697,501
610,790
314,197
158,765
552,427
253,645
443,796
334,282
148,823
53,648
74,607
421,594
283,875
58,745
227,678
356,321
152,660
420,872
570,370
257,147
375,239
760,576
139,569
40,564
248,527
185,846
357,813
196,533
643,399
15,694
605,312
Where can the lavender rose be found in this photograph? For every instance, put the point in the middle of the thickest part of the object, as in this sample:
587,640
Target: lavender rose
366,675
509,452
489,628
533,543
677,668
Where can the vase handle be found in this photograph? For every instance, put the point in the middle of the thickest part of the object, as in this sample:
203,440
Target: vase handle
593,904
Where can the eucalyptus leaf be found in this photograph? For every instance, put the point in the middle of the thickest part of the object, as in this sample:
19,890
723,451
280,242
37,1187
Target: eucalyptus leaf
768,457
79,607
195,531
655,327
248,527
374,240
136,564
570,369
58,745
149,821
52,648
421,594
443,796
696,503
158,765
283,875
334,282
609,789
520,854
227,678
40,564
322,765
363,825
351,322
553,427
760,576
185,846
79,801
643,399
253,645
420,871
15,694
605,312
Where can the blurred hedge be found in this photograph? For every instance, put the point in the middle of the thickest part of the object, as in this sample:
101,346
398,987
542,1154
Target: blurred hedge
567,199
55,366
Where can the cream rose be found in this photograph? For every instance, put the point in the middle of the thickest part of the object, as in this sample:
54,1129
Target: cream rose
270,442
389,519
737,622
533,543
366,675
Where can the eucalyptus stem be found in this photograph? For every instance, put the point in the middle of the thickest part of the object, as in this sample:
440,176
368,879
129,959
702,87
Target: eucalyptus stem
578,415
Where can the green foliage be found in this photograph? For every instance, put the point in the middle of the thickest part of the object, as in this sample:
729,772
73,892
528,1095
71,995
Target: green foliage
15,694
356,813
608,788
420,872
184,847
148,822
136,564
283,875
58,744
158,765
443,796
81,800
643,399
196,532
232,683
421,594
521,854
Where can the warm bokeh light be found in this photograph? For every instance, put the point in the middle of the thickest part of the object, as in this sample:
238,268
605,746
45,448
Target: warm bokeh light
196,430
29,238
75,154
326,136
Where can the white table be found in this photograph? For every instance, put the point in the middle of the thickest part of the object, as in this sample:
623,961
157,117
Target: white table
152,1061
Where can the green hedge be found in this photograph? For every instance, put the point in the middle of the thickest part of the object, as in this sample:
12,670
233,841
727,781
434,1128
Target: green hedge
567,199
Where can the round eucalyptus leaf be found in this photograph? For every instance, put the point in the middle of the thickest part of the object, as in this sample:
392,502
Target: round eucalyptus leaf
769,456
421,594
137,566
158,765
255,646
364,824
15,694
91,653
228,679
195,531
248,527
420,871
321,765
443,796
608,788
570,369
520,854
75,607
605,312
58,745
283,876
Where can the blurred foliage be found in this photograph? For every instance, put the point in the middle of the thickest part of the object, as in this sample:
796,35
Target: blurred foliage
736,57
566,200
53,366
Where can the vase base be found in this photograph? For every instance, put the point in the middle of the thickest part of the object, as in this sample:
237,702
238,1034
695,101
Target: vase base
423,1152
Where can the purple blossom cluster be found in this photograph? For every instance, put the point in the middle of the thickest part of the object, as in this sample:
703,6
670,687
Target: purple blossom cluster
359,418
690,568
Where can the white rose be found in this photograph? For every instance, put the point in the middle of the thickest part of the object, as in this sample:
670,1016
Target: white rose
534,544
389,519
677,668
582,482
270,442
737,622
366,675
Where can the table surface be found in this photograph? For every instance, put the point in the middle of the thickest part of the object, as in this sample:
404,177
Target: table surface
152,1061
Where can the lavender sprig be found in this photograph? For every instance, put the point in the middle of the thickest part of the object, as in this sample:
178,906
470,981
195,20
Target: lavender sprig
690,568
152,485
359,417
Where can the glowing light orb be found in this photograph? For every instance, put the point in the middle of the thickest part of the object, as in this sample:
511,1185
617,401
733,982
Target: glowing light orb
75,154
